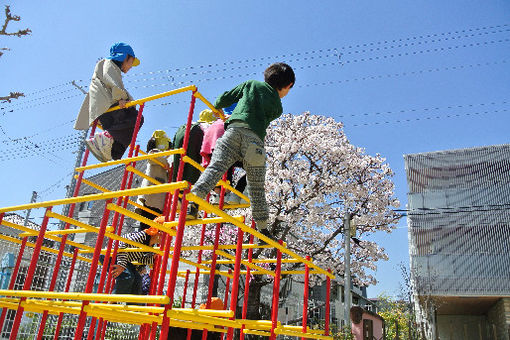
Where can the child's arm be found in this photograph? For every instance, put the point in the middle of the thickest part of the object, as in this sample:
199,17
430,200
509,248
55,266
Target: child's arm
112,78
230,97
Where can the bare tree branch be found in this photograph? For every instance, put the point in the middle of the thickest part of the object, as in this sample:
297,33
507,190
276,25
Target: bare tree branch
12,95
9,17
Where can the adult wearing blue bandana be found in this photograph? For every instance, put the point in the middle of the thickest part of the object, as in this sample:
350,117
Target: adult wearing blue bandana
105,91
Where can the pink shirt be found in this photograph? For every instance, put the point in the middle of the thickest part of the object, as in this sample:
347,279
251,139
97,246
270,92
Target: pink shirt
211,135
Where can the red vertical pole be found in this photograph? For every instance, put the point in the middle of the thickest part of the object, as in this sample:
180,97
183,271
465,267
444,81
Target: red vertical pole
175,264
68,286
235,281
185,289
214,258
306,291
276,293
247,282
30,274
227,288
93,268
328,297
14,274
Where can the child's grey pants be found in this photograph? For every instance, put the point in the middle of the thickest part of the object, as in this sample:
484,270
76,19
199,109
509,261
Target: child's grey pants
238,144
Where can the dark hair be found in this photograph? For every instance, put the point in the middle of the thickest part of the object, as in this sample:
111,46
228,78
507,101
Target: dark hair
279,75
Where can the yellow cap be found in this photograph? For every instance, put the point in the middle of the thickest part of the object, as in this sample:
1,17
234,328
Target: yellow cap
162,140
206,116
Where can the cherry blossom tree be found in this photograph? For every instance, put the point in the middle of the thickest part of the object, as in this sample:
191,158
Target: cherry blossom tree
20,33
314,176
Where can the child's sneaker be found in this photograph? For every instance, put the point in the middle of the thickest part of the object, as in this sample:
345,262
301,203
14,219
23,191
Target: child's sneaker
192,211
232,198
104,143
93,148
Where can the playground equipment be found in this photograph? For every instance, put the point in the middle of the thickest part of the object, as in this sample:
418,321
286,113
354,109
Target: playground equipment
93,310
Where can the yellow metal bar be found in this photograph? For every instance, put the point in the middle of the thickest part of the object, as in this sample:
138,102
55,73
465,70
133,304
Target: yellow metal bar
159,299
30,231
155,160
101,196
246,263
129,160
253,261
57,232
283,331
143,175
156,96
139,218
107,234
210,220
256,332
203,319
209,105
100,188
255,233
49,250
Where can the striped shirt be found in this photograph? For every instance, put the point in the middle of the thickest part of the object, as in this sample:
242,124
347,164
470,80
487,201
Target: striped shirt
123,258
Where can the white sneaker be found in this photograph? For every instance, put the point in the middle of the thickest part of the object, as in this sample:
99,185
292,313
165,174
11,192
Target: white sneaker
104,143
93,148
232,198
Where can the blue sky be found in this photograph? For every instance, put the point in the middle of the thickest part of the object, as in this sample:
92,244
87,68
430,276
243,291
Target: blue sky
404,76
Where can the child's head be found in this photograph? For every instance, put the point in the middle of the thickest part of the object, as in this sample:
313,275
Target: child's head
281,77
123,53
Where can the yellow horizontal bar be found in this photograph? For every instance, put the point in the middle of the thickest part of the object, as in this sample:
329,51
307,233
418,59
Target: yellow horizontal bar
30,231
203,319
218,113
155,160
159,299
253,261
101,196
143,175
246,263
282,331
255,233
139,218
57,232
156,96
49,250
255,332
107,234
128,160
209,220
100,188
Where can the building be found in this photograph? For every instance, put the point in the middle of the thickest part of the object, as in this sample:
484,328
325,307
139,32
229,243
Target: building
459,241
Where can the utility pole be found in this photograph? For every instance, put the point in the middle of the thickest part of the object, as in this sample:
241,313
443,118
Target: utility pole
79,155
32,200
347,264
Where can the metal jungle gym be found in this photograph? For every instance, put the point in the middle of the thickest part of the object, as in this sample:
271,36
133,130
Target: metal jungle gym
157,313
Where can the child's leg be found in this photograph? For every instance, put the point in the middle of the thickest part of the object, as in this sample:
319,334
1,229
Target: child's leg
227,151
120,124
255,166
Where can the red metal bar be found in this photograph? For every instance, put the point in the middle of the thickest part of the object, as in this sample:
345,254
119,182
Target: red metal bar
276,292
235,281
227,288
175,264
328,297
185,289
30,273
14,274
247,282
306,291
68,286
93,268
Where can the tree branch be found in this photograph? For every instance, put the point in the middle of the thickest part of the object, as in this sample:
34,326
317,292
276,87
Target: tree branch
12,95
8,18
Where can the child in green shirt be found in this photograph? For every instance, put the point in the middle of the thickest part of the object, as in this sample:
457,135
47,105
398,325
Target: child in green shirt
258,104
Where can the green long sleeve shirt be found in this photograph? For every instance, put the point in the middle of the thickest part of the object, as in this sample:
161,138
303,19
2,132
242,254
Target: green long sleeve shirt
258,104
